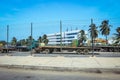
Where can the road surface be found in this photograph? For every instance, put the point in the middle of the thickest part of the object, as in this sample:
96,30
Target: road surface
20,74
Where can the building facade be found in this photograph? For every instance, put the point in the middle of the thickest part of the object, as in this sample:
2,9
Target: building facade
67,37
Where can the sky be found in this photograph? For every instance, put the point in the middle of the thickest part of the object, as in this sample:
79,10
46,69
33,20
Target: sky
46,15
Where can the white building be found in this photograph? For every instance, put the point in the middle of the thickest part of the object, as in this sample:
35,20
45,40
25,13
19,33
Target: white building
67,37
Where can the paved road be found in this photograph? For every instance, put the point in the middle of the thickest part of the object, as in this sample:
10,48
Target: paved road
19,74
97,54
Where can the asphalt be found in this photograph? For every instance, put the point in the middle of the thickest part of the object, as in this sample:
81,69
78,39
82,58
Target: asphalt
61,63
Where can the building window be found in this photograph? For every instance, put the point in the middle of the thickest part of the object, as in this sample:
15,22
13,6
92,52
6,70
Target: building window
70,37
69,40
72,33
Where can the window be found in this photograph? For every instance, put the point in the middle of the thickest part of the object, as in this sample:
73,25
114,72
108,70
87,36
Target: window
70,37
72,33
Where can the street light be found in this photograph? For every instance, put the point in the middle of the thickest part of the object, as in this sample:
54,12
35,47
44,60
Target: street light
31,37
7,36
60,35
92,37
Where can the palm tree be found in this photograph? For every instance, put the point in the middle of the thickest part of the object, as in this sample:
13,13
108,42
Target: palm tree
40,39
94,34
44,39
44,36
93,31
3,43
81,38
14,41
105,29
117,36
30,38
23,42
29,41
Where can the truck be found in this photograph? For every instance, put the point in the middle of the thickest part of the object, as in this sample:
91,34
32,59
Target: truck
7,49
41,47
27,47
78,50
75,47
51,49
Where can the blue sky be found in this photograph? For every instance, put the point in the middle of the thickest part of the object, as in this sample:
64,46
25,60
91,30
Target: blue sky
46,14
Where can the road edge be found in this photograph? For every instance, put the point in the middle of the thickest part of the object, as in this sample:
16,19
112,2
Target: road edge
69,69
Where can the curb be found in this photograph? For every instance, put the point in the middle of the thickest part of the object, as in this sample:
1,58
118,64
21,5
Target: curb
69,69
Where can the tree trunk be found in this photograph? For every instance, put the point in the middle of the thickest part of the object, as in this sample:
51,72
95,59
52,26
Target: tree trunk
92,46
106,41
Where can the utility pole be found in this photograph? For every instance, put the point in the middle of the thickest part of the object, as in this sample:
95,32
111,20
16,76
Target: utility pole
92,37
31,37
7,36
60,35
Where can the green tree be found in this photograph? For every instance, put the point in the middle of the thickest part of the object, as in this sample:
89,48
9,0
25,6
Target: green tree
93,34
23,42
29,40
81,38
117,36
44,36
40,39
93,31
44,39
3,43
14,41
105,29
